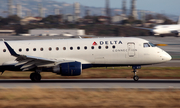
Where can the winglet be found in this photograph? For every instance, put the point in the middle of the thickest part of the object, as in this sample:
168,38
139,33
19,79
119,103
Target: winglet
13,53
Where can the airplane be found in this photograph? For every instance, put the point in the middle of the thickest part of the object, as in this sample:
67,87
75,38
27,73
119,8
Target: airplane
68,57
164,29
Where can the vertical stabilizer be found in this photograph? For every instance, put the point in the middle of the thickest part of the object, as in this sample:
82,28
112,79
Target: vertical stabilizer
179,21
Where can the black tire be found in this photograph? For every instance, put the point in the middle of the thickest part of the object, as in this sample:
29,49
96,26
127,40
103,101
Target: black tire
136,78
35,77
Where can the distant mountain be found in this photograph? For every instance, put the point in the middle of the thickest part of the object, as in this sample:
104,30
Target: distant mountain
31,5
50,6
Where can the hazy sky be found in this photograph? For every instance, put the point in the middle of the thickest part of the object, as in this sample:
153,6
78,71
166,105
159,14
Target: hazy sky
160,6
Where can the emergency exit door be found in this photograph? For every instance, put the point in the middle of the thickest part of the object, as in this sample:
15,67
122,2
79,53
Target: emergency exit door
131,49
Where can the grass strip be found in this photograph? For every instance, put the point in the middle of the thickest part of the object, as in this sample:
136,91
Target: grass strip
63,98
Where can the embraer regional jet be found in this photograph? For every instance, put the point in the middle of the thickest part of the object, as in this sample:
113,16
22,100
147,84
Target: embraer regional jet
67,57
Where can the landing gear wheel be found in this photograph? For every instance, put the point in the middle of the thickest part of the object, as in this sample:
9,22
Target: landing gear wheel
35,77
136,78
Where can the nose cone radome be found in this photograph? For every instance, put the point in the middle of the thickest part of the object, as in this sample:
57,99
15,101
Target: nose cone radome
166,56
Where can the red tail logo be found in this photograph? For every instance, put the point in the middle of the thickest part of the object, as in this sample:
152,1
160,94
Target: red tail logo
94,43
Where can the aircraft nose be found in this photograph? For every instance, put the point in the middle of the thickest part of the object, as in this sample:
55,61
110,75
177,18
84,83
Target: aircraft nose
166,56
155,31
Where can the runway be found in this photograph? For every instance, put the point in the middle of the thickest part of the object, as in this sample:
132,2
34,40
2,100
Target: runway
94,83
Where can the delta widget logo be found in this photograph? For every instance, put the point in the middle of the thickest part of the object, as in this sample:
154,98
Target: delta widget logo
94,43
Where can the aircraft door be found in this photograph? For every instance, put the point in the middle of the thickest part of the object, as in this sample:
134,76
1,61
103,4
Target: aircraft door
131,49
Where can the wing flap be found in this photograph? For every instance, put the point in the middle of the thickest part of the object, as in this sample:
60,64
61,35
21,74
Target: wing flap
28,68
23,62
28,64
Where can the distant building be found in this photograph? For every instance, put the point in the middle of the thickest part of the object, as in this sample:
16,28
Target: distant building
28,20
69,18
41,11
124,7
103,19
118,19
76,11
10,7
87,12
57,12
108,12
7,32
19,10
133,9
63,32
88,21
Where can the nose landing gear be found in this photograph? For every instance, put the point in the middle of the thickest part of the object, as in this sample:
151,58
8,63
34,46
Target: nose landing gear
136,78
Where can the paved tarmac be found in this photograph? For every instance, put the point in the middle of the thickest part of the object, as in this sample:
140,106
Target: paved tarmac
94,83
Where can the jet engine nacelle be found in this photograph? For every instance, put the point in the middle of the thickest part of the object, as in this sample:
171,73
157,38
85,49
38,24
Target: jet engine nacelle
68,69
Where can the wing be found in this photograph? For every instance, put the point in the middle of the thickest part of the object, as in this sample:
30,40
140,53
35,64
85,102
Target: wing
144,28
30,62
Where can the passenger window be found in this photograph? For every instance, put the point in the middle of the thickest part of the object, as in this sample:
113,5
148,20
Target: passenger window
146,45
34,49
50,48
20,49
27,49
113,46
78,48
64,48
92,47
71,48
99,47
106,47
85,47
4,50
57,48
41,49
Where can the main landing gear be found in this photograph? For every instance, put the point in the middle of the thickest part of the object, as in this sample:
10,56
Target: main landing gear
136,78
36,76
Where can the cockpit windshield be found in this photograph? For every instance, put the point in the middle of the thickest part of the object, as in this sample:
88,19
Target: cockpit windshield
149,45
146,45
152,45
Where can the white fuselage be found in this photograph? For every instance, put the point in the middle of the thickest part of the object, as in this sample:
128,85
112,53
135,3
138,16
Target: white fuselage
107,51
